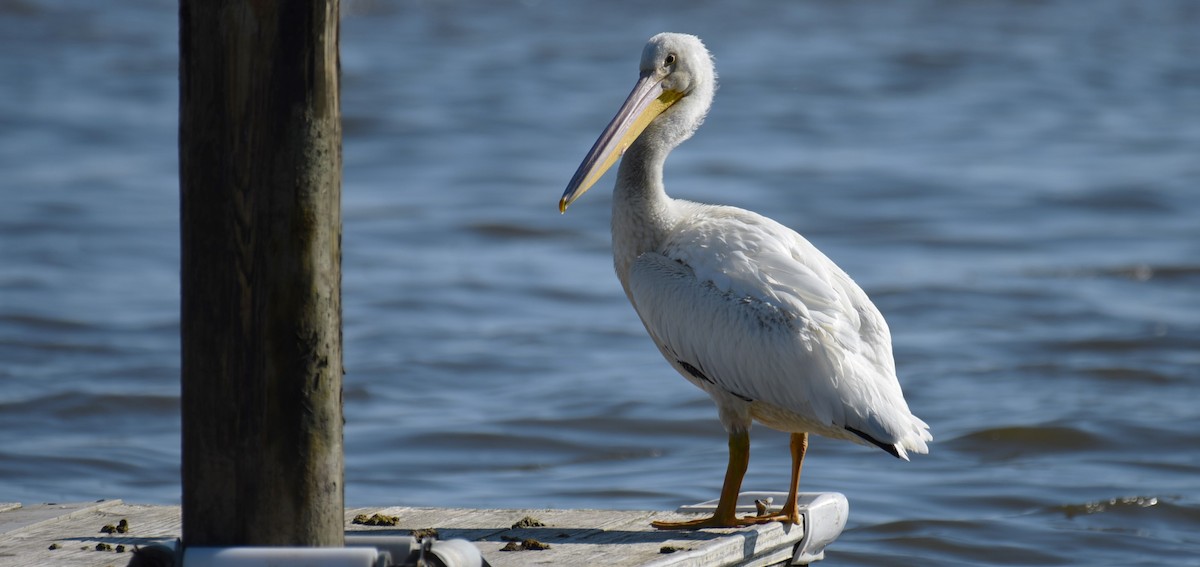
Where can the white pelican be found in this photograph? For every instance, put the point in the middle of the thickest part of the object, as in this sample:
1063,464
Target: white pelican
743,307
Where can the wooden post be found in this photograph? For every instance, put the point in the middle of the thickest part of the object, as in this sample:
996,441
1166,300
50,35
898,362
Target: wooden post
260,148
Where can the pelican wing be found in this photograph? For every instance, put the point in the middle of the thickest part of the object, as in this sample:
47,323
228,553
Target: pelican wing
753,308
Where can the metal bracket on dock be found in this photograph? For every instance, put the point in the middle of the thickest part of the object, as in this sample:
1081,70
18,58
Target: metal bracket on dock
824,515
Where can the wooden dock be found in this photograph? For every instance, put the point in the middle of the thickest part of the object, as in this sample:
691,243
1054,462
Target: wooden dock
75,534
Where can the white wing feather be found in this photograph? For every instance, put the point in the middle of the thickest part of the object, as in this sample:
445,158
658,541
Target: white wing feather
764,315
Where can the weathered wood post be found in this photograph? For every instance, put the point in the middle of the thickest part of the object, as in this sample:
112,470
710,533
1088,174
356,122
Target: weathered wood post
260,148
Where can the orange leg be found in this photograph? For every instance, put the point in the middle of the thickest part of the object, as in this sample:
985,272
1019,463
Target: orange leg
725,516
790,512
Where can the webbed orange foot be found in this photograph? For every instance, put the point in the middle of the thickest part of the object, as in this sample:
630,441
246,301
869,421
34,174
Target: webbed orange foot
709,522
792,517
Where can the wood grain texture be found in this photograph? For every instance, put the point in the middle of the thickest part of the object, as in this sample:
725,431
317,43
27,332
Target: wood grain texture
260,208
575,537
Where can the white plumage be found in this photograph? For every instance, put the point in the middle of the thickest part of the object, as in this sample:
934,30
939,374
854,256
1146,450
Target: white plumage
742,306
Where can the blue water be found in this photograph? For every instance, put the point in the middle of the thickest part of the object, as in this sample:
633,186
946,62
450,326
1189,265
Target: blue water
1014,183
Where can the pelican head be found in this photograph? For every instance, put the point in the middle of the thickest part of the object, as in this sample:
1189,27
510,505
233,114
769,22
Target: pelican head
667,104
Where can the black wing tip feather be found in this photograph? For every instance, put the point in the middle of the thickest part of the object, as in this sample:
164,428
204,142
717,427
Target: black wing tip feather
890,449
700,375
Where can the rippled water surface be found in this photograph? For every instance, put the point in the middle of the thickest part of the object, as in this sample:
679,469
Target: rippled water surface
1014,183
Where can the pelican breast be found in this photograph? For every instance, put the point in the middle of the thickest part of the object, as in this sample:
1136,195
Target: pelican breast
752,308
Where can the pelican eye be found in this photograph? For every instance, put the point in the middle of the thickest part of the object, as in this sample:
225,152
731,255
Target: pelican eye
670,60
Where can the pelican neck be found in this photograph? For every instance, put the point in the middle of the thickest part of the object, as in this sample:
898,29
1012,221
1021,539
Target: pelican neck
641,214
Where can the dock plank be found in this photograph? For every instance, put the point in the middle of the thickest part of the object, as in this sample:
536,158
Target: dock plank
604,537
27,533
609,537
